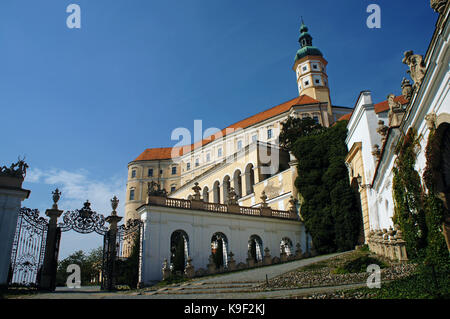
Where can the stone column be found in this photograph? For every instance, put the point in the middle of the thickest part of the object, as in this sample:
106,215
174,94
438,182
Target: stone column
189,270
267,257
113,220
212,269
11,196
231,262
165,270
48,275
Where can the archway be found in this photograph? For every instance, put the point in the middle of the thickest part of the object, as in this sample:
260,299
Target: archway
219,250
249,179
255,248
226,188
179,250
206,194
216,192
237,178
286,243
355,186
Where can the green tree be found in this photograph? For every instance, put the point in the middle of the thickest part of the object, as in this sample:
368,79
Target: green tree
329,208
90,265
293,128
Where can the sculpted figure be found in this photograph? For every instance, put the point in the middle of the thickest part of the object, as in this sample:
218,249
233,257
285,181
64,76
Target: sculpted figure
417,67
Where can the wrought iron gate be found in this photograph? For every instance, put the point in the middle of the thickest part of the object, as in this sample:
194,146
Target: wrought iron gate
121,263
32,237
28,249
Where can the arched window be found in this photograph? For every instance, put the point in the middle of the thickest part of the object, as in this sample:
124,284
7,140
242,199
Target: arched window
255,248
219,250
179,250
226,188
286,244
237,179
249,179
206,194
216,192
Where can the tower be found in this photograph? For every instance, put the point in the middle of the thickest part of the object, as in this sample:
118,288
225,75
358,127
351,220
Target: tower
310,69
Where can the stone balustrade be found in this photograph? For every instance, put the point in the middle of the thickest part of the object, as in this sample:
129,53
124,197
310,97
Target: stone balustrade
389,244
221,208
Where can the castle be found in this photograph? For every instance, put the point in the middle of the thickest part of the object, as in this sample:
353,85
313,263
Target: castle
246,155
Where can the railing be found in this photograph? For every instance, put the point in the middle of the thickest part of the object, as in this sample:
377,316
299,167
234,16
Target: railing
215,207
178,203
250,211
281,213
221,208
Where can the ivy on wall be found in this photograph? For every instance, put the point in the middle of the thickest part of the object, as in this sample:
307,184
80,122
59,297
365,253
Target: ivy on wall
418,210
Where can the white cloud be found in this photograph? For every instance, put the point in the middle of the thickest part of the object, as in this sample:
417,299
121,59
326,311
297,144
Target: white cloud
76,187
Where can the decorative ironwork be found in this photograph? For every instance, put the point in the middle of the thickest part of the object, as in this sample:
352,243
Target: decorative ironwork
84,221
28,248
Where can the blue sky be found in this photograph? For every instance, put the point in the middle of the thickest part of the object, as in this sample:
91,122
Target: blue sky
80,104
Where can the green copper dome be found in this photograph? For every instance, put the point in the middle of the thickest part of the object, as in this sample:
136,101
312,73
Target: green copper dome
305,41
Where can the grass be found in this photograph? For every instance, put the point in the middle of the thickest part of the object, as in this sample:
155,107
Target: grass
416,286
358,265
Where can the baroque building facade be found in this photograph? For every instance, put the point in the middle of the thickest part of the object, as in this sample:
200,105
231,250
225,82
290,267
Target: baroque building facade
245,156
375,130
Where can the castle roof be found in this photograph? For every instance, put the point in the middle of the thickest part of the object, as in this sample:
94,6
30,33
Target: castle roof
164,153
379,107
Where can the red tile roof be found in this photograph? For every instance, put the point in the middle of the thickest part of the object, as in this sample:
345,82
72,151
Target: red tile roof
380,107
384,106
346,117
166,152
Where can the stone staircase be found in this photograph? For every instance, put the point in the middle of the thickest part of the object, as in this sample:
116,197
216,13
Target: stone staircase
208,288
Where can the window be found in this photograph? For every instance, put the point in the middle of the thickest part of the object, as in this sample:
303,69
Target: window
150,172
133,173
174,170
239,145
172,188
208,157
254,138
305,68
269,133
219,152
315,67
306,83
316,118
197,162
160,172
131,194
188,166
